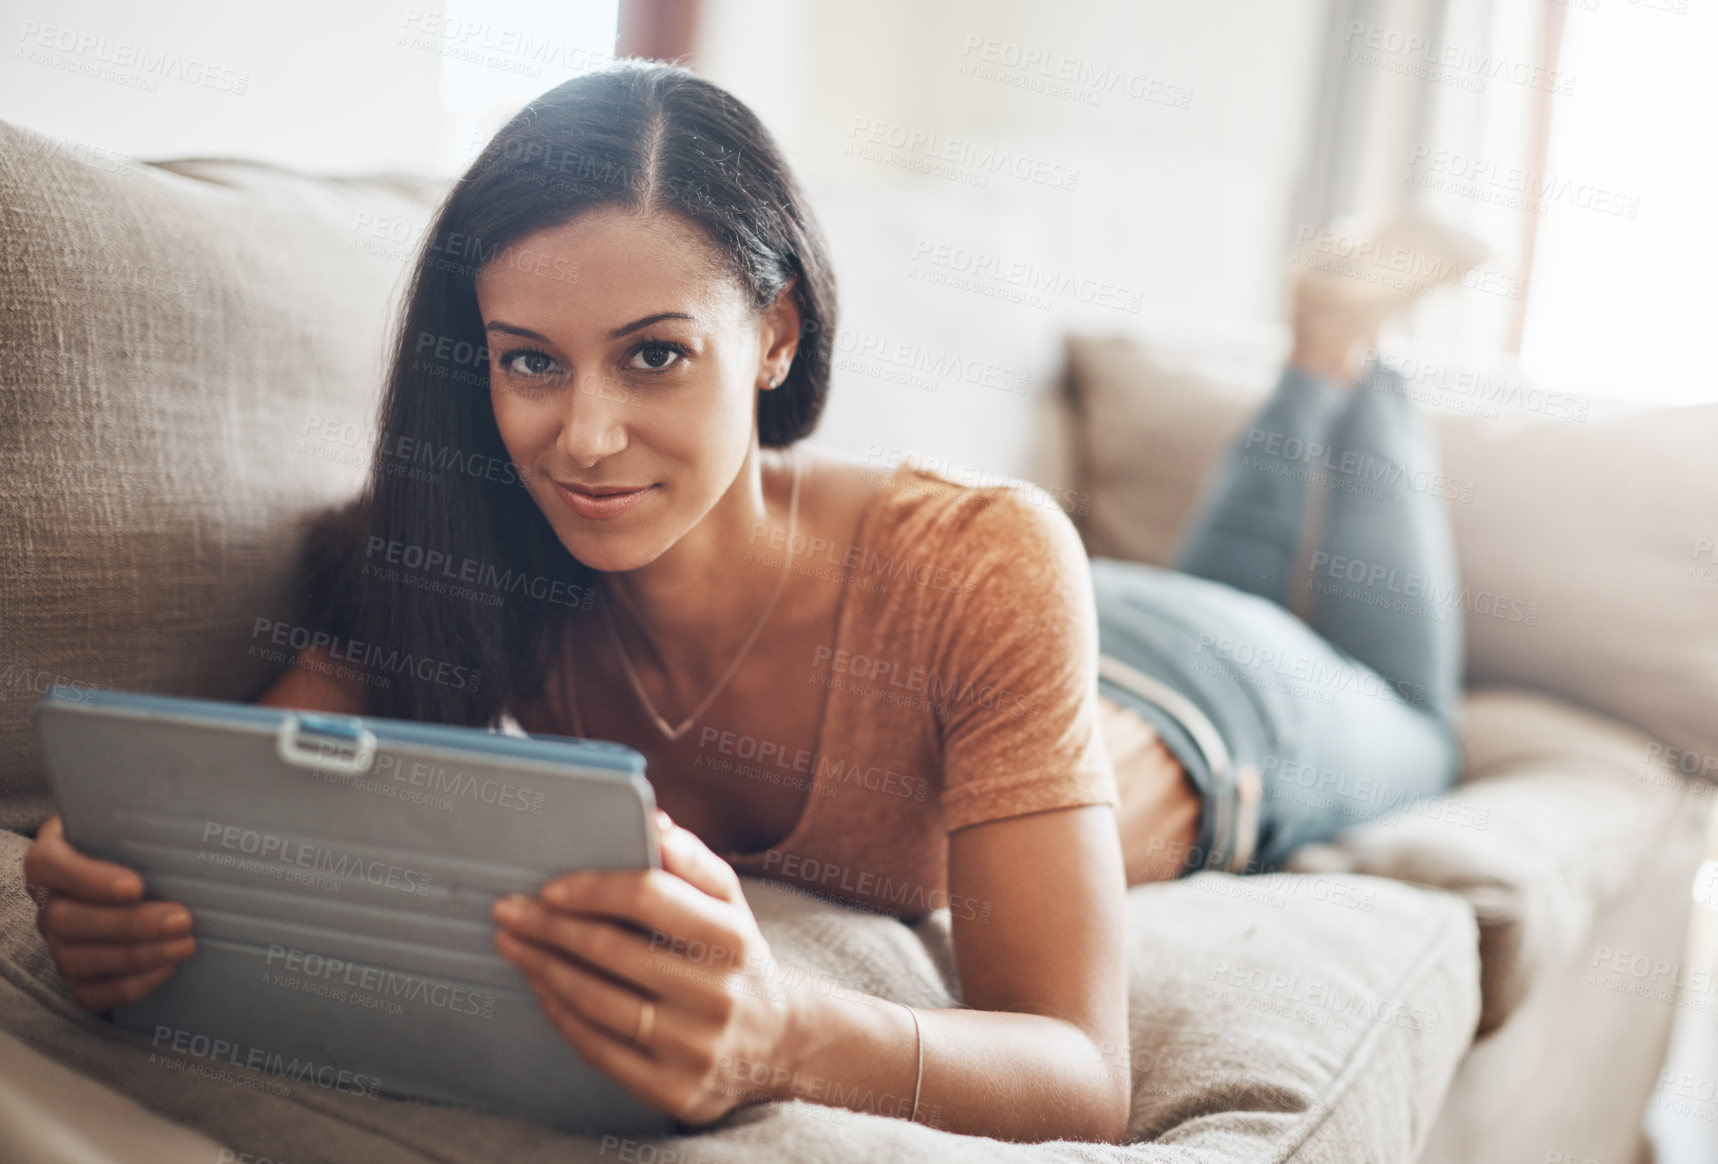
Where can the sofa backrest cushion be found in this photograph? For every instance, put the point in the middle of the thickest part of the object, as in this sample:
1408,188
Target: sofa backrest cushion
193,359
1588,545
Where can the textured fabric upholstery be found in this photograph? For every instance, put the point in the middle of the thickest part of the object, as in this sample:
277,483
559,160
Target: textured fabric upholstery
191,368
1250,1041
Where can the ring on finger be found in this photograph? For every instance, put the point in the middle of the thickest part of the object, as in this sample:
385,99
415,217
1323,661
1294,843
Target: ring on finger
646,1024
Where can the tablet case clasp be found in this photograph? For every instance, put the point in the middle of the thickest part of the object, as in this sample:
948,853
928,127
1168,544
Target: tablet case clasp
322,753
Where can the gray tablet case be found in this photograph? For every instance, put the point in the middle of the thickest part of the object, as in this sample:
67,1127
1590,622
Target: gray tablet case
340,870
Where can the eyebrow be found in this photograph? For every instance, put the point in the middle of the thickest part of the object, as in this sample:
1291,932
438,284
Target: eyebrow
623,329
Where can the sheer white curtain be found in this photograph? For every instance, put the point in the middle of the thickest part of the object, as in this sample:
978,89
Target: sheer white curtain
1574,136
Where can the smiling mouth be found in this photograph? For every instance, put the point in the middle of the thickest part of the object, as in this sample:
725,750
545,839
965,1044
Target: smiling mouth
610,503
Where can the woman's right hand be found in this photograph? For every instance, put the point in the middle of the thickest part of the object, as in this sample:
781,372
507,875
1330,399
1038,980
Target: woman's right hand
111,946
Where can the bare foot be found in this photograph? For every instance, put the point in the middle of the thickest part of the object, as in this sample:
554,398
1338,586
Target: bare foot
1350,279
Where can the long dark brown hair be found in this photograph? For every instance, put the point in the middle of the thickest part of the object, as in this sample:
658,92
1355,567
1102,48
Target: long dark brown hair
403,582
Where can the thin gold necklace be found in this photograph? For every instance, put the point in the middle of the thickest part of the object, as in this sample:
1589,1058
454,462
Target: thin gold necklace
674,733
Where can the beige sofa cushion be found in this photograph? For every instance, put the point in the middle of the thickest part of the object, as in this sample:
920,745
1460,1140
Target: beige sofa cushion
1295,1020
1558,811
1589,547
192,367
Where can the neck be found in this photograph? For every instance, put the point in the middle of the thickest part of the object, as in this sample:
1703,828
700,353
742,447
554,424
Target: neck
689,612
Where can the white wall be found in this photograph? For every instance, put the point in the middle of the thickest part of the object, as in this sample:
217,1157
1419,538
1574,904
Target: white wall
1158,205
318,84
322,85
1186,204
1182,182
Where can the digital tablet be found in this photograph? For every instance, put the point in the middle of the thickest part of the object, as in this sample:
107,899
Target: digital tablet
340,871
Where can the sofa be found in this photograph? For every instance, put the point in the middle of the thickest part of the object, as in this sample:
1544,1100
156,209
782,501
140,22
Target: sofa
193,355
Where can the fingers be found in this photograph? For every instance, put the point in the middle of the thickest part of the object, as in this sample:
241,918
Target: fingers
52,863
601,944
99,994
92,962
607,1053
683,1096
112,947
79,922
599,1000
705,921
674,1070
686,856
655,900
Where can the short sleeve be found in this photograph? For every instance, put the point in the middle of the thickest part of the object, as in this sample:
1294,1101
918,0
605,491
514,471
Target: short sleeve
1015,680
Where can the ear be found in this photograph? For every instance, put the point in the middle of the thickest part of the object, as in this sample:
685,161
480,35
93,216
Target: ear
779,336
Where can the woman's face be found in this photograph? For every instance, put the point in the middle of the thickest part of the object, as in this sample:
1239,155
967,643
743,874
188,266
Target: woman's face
622,355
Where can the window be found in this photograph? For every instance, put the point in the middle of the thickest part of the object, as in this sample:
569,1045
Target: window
1622,295
1575,137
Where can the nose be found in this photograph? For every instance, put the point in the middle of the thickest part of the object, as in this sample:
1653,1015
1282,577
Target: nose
594,417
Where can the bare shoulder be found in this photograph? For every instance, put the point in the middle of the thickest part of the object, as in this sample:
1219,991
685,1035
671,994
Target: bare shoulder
836,488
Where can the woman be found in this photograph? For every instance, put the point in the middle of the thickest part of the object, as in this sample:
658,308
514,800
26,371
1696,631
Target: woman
881,689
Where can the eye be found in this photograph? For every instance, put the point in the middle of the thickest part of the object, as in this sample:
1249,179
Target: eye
527,363
656,356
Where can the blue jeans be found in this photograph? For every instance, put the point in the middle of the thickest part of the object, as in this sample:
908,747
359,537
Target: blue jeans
1336,720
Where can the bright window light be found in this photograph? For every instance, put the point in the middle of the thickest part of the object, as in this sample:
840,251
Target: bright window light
1621,301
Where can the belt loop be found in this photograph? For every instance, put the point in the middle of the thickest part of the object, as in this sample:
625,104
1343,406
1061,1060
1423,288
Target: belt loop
1249,791
1236,795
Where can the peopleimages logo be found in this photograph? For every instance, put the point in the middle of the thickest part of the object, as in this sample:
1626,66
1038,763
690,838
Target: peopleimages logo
826,773
1300,675
858,559
351,443
356,983
922,150
1420,55
865,883
1332,999
307,855
305,1070
15,675
440,566
371,656
99,56
435,780
1059,75
1372,260
886,679
1349,470
1433,596
985,268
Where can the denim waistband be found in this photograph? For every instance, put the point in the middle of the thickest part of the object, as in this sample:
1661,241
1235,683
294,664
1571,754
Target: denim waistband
1229,825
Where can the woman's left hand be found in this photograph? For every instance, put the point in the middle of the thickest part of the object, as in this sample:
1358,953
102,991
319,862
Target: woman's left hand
660,978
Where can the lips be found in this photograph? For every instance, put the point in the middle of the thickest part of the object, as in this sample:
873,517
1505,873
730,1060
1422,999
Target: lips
601,490
601,502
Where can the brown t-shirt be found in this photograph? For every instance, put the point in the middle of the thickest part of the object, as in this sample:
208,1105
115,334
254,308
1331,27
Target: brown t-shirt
961,688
